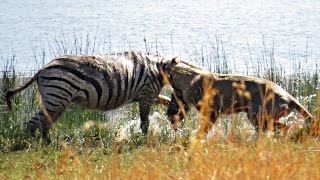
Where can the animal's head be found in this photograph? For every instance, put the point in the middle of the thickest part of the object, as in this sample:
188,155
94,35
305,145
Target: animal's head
176,110
182,78
166,67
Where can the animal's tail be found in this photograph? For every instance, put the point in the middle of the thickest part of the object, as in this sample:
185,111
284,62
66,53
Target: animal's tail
10,93
302,110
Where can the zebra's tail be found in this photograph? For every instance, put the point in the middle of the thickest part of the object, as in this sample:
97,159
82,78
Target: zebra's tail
11,92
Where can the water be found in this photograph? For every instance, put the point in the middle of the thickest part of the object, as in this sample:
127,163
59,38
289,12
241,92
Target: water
180,27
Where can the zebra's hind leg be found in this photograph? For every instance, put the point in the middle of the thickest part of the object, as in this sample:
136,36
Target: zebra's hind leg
43,120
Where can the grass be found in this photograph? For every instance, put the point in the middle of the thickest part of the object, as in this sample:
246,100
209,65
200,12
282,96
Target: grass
260,160
85,147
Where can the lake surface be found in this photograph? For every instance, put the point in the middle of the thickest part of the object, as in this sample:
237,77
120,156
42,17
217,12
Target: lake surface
289,28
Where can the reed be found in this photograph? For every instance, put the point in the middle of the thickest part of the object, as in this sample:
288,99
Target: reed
84,142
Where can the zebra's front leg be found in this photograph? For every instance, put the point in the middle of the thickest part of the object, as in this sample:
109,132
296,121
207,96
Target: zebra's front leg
144,107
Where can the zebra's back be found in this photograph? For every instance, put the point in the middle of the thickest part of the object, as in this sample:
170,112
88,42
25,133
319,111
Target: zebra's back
97,82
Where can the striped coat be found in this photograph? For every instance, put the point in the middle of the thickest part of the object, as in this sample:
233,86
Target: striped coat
98,83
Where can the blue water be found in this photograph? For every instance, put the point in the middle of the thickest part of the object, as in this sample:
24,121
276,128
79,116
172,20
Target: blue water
181,27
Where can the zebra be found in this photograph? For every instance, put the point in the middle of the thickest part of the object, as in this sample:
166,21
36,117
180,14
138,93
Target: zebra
96,82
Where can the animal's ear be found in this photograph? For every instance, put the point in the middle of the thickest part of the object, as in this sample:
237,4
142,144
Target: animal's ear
170,66
175,60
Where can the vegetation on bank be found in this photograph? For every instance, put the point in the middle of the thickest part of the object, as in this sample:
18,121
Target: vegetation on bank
85,142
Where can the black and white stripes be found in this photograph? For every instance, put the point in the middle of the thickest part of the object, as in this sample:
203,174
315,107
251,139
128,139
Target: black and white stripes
97,82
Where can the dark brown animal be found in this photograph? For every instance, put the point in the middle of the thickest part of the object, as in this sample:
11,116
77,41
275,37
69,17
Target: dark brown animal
262,100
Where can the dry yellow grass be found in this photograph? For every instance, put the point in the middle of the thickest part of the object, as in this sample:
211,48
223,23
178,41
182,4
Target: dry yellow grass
219,158
264,159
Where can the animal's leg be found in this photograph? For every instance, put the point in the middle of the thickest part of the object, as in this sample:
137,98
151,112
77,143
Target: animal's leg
259,116
144,107
269,119
38,121
206,123
43,120
283,111
256,118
